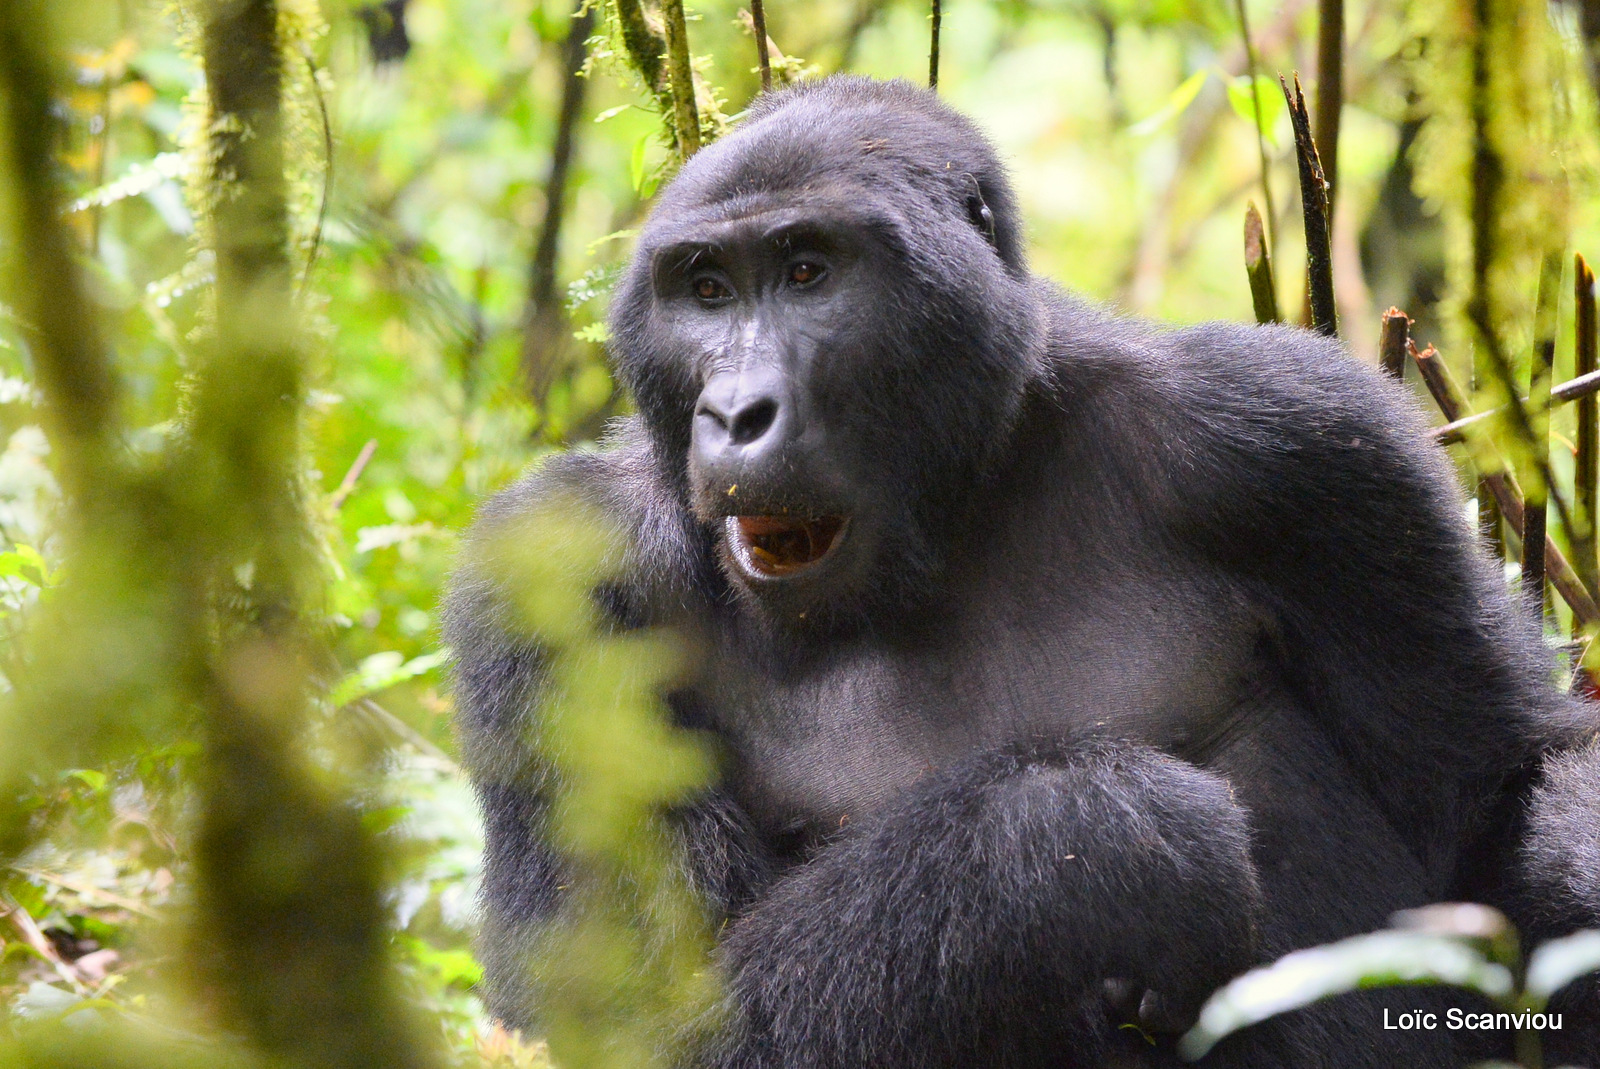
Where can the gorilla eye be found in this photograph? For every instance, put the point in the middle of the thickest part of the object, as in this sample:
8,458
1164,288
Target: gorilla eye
709,289
803,273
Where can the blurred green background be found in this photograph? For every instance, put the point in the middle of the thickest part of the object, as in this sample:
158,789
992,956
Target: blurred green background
419,149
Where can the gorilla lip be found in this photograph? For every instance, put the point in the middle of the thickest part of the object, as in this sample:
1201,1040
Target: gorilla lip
779,546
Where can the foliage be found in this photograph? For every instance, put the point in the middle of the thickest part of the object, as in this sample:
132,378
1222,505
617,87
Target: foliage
1464,945
169,505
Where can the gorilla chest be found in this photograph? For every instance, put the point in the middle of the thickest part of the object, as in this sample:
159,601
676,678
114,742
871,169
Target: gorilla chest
1155,662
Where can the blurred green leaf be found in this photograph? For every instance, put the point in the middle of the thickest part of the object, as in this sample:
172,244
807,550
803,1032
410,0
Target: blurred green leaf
380,672
1380,959
1268,92
1177,103
1560,961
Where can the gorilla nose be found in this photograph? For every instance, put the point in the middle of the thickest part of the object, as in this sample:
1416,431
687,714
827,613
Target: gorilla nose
740,415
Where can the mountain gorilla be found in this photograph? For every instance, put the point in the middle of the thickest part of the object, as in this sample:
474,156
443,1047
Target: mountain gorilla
1063,666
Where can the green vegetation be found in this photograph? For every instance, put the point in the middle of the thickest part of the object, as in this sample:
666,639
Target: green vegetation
290,286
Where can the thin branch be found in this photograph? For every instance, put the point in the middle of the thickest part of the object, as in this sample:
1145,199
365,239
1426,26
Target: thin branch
933,46
1253,67
40,943
1330,89
1572,390
348,483
1393,341
89,890
758,16
1258,268
1106,23
327,172
543,320
1314,202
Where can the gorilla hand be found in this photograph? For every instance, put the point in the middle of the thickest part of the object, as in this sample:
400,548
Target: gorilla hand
1007,889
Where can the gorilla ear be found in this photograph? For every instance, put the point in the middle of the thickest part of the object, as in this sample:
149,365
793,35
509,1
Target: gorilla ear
979,214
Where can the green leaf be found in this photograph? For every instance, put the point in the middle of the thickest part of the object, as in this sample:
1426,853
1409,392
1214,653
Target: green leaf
636,164
1177,103
384,818
392,534
380,672
598,333
1270,95
17,564
455,968
1381,959
1561,961
94,780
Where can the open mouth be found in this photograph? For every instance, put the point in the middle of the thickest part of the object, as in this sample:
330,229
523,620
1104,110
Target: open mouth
776,546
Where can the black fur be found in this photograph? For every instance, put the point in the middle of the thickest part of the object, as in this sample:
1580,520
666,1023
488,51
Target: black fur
1147,655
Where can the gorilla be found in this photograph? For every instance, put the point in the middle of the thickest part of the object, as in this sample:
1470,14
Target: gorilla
1062,666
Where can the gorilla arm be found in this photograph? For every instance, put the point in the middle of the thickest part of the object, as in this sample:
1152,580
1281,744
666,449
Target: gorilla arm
1560,887
498,673
1009,888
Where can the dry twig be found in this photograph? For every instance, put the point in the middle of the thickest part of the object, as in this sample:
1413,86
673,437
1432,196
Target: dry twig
1314,201
1393,342
758,17
1258,268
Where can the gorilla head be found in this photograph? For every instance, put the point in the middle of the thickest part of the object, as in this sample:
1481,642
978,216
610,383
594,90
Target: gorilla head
830,322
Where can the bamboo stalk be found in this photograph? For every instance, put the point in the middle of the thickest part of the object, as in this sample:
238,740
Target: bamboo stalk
1441,384
1540,373
1314,201
1258,268
758,16
1393,340
1507,497
1252,66
933,46
1588,436
1330,90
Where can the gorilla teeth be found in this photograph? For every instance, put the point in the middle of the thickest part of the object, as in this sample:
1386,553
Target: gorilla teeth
784,545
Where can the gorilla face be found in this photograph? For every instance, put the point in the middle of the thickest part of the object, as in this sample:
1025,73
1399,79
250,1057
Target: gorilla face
833,351
776,309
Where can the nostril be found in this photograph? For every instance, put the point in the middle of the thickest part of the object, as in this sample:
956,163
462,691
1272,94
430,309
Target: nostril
716,417
753,421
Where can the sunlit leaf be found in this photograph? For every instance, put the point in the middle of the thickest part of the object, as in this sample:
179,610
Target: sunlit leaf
1270,96
380,672
1380,959
1177,103
1561,961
